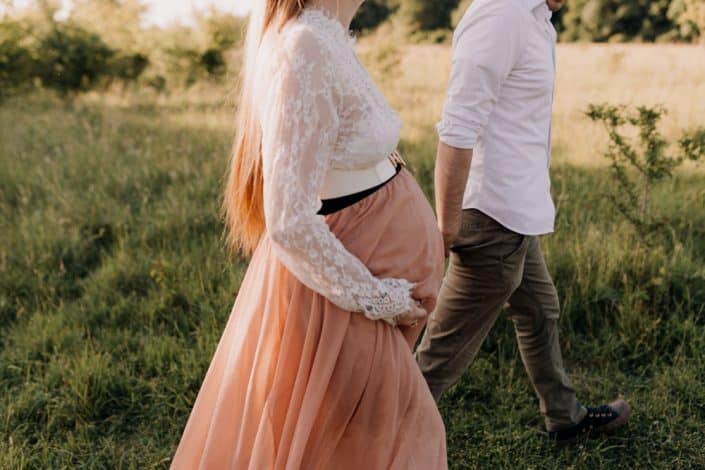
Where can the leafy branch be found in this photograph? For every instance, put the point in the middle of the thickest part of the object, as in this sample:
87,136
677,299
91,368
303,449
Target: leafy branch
636,169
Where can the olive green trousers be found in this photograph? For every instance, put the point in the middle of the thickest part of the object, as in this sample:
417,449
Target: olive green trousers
491,266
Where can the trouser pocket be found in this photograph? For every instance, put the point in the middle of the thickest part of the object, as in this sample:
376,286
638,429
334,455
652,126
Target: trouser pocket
482,241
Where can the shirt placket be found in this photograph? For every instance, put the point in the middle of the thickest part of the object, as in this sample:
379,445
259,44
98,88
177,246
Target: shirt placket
549,32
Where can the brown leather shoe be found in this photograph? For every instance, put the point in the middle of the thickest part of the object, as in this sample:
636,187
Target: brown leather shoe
601,420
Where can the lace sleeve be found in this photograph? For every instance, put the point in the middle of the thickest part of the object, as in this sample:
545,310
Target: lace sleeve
299,127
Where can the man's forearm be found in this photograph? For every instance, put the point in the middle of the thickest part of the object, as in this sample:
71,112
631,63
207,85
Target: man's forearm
451,176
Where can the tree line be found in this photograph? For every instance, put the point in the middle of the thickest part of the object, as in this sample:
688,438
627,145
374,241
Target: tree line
580,20
102,42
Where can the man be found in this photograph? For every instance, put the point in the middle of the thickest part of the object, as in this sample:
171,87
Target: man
493,201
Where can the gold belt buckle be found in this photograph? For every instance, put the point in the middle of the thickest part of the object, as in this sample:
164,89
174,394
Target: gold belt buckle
396,159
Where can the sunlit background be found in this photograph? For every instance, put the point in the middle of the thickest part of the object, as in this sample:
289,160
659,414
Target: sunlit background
161,12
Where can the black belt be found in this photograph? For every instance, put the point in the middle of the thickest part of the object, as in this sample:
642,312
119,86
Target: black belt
339,203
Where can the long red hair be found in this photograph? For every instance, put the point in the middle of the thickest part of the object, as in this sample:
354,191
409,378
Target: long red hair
243,201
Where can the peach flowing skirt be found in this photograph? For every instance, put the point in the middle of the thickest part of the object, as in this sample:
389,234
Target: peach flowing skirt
298,383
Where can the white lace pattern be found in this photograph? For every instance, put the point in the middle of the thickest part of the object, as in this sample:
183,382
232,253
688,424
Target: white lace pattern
319,109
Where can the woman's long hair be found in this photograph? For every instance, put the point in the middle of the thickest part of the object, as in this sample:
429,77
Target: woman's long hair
243,202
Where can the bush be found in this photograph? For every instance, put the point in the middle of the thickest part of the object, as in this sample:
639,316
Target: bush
128,67
73,59
184,56
222,31
17,63
428,15
616,20
637,169
372,13
689,17
213,62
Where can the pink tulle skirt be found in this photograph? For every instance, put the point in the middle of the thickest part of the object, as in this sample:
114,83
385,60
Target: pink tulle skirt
298,383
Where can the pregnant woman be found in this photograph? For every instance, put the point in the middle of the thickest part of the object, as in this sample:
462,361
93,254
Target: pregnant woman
314,369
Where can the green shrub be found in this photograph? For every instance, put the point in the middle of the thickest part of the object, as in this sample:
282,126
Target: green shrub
636,170
689,17
128,67
616,20
17,62
73,59
213,62
372,13
428,15
222,31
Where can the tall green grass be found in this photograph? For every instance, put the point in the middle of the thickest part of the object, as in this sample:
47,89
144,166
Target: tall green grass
115,286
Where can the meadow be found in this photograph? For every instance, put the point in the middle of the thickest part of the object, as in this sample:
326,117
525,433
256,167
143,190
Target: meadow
115,283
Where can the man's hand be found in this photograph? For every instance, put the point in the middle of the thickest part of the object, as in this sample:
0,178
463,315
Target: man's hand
448,239
450,179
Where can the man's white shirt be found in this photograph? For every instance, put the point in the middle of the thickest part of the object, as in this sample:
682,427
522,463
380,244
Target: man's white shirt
499,104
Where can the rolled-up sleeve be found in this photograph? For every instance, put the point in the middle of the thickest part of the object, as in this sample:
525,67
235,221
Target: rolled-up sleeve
486,47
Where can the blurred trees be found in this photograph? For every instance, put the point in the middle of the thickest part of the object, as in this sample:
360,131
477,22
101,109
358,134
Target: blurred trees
428,15
424,15
17,62
71,59
586,20
637,165
103,42
689,17
617,20
373,12
116,22
182,55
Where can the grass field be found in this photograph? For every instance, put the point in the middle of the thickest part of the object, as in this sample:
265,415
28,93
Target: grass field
115,285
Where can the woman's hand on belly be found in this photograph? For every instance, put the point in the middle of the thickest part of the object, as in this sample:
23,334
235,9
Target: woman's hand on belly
413,317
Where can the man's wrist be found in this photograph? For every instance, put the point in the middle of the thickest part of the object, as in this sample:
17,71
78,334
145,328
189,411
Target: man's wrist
450,223
449,231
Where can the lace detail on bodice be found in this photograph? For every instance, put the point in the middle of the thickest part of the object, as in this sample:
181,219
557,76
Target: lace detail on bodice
369,127
319,109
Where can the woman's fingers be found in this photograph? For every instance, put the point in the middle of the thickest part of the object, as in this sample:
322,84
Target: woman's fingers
413,316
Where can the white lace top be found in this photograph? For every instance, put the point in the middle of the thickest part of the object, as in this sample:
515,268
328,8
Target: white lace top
319,109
